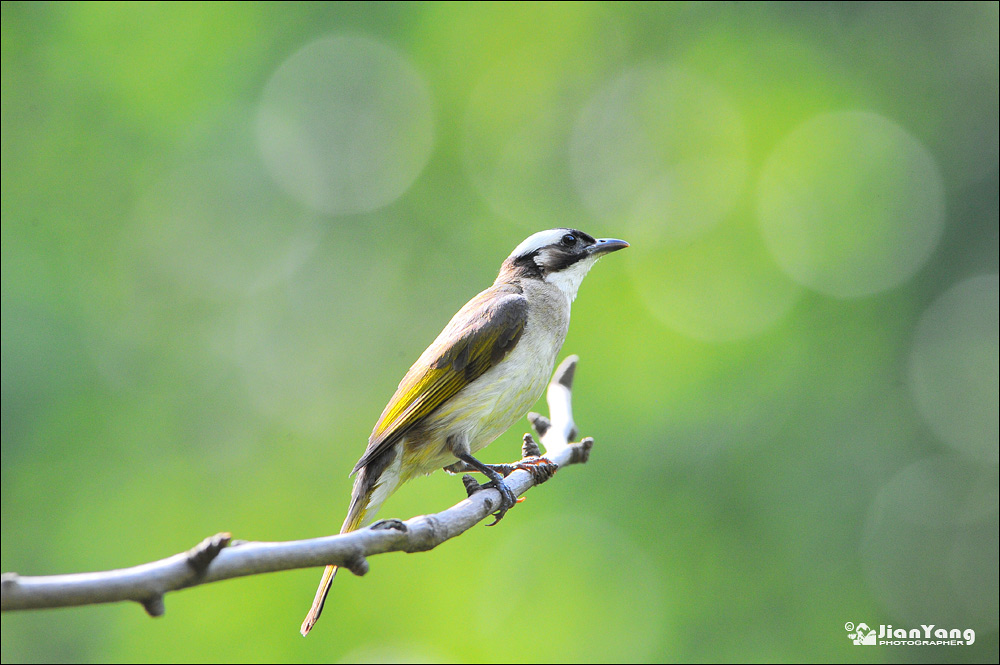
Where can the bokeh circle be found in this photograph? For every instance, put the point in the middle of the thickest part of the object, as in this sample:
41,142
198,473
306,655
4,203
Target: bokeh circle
930,544
851,204
345,125
718,287
662,148
955,367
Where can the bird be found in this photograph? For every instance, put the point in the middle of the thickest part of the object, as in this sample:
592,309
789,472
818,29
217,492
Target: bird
477,378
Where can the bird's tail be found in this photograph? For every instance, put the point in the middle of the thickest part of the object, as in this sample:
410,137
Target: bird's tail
355,518
370,490
317,607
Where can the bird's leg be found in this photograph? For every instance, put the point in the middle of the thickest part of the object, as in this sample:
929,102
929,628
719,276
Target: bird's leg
507,498
464,467
531,461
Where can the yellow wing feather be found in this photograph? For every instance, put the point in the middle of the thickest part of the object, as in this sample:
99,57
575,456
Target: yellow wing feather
478,337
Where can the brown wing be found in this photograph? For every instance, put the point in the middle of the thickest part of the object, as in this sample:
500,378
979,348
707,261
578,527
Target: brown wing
477,338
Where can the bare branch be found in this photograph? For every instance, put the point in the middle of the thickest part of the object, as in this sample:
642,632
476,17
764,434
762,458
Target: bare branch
219,558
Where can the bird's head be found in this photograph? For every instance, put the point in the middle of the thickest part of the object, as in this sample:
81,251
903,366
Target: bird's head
561,257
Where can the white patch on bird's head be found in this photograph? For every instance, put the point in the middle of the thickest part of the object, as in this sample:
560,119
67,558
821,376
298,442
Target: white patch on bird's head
537,241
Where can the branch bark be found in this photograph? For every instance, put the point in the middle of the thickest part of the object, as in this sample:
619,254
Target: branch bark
221,558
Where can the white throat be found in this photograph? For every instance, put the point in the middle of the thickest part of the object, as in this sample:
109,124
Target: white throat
568,281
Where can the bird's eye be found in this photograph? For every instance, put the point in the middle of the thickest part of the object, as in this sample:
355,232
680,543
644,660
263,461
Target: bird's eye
569,240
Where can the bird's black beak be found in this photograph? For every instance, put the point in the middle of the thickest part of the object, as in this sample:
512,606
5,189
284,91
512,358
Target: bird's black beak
605,245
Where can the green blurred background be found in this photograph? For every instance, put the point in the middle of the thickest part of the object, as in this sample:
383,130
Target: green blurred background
228,229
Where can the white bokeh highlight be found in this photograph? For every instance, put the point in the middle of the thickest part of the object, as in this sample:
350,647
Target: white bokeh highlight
851,204
955,367
661,149
719,287
930,544
345,125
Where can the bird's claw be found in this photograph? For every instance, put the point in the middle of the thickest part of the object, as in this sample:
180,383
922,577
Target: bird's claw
507,499
539,468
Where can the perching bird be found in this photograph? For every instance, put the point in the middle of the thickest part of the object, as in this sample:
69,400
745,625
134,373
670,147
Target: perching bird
481,374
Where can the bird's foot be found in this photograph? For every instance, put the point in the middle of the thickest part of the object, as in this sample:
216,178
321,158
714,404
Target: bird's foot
539,468
507,498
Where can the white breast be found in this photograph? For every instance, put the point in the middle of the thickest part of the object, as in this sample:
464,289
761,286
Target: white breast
488,406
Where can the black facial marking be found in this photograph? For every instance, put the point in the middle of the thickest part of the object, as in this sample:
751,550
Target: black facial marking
569,249
556,260
525,266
